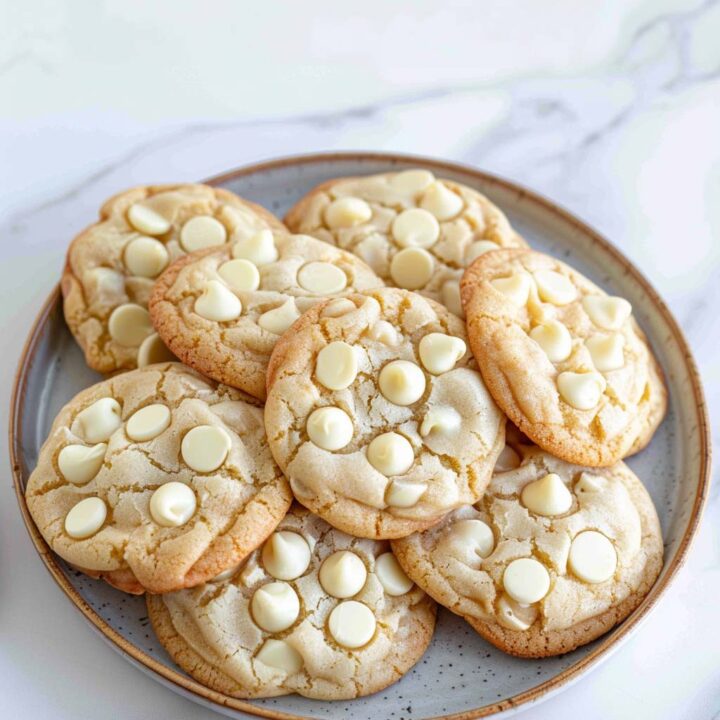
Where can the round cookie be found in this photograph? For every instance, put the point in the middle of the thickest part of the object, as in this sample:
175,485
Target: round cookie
314,612
222,310
414,230
112,265
157,479
552,556
567,363
377,414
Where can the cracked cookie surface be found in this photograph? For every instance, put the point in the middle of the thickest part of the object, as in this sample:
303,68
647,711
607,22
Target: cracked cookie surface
567,363
157,479
414,230
377,414
552,556
111,266
314,612
275,278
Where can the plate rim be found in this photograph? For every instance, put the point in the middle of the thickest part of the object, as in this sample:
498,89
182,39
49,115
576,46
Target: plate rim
610,641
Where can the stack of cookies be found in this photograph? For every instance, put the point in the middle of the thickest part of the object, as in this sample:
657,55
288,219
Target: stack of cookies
312,432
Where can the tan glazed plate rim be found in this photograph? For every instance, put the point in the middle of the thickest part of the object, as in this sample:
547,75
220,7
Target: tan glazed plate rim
187,685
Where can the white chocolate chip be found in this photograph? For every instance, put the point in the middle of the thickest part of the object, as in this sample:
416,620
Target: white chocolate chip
412,268
347,212
443,203
286,555
145,257
259,248
330,428
205,447
97,422
382,331
445,420
515,288
404,494
374,250
581,390
217,303
554,339
279,319
607,351
608,313
476,534
439,352
336,365
507,460
129,325
103,284
515,616
153,350
547,496
278,655
322,278
172,504
79,464
478,248
592,557
225,574
338,308
148,422
526,580
451,297
240,274
590,484
415,227
202,232
554,287
85,518
391,576
343,574
411,182
352,624
402,382
146,220
275,606
390,454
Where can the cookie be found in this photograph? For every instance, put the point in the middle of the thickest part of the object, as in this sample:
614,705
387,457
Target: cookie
112,265
377,414
314,612
552,556
414,230
157,479
567,363
222,310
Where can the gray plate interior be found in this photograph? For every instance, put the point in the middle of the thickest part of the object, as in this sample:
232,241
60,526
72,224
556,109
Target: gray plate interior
460,671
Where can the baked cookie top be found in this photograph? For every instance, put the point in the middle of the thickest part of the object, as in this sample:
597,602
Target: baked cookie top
377,414
567,363
112,265
222,310
314,612
416,231
550,558
157,479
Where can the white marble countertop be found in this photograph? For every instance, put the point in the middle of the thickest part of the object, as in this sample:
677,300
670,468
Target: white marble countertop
612,109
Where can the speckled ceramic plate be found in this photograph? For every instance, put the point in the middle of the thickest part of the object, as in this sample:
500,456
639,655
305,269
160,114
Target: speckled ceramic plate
461,676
